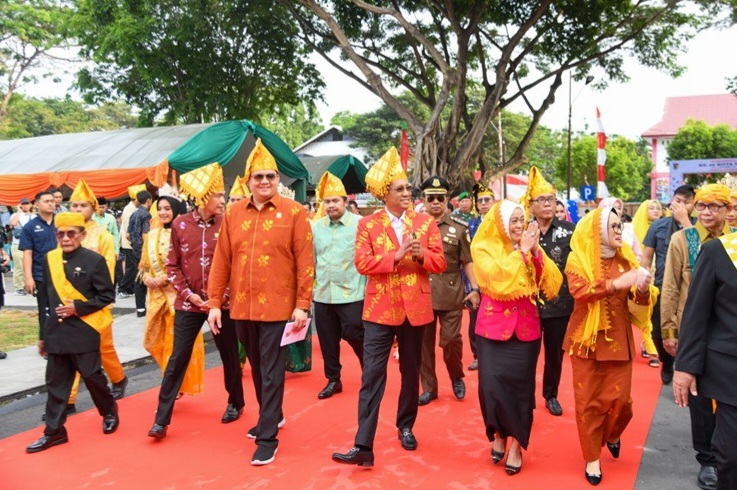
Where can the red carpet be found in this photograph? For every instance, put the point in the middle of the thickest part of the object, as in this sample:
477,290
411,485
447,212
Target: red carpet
201,452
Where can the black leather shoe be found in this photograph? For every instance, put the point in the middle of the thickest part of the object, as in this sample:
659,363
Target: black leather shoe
592,479
332,388
3,355
119,388
356,455
554,406
110,422
45,442
426,398
707,478
158,431
231,414
666,374
71,408
614,448
408,439
513,470
459,388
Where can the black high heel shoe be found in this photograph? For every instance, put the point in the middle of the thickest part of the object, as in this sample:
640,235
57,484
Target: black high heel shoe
614,448
513,470
593,479
497,456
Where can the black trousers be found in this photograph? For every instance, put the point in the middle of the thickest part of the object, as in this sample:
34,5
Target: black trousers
268,365
131,269
60,370
119,269
703,422
335,322
666,360
377,346
554,332
450,341
472,315
140,291
187,325
42,303
725,449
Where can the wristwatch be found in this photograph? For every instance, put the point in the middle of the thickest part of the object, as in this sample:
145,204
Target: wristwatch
475,290
306,310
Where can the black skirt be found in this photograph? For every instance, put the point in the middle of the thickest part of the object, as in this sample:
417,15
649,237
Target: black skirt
507,386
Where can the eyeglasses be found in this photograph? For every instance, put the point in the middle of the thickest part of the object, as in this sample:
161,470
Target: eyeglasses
260,177
483,200
71,234
403,188
435,197
542,200
713,207
617,227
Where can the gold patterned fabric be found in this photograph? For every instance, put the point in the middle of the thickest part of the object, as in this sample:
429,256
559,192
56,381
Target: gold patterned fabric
329,186
536,186
83,193
135,189
259,159
69,220
385,171
240,188
512,277
202,183
713,193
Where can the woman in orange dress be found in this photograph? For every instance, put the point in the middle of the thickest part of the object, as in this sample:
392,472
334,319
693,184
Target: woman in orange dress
611,293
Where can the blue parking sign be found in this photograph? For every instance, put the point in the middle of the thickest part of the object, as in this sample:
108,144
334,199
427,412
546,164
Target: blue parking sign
588,192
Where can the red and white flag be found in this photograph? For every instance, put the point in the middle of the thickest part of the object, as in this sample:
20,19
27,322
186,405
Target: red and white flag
601,190
404,147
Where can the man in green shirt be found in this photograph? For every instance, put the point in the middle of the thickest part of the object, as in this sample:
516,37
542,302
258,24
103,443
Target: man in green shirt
339,288
108,222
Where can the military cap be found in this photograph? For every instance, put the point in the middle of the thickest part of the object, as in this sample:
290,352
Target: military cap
435,185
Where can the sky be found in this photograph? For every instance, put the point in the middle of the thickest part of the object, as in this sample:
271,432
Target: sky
626,109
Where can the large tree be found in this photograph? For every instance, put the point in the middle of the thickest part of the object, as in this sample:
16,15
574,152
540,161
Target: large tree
696,140
191,61
30,30
439,50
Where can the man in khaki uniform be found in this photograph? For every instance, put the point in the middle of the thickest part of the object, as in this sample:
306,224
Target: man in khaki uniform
712,202
448,294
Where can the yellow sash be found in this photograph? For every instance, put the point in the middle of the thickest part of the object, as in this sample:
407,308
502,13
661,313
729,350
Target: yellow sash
730,246
99,320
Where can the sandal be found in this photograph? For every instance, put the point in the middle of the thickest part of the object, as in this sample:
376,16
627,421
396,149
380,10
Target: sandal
654,363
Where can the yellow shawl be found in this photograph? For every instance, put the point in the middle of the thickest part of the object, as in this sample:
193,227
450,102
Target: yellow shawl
641,222
585,261
499,269
99,320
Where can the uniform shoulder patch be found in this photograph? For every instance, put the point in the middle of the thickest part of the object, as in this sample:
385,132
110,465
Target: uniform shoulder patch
459,220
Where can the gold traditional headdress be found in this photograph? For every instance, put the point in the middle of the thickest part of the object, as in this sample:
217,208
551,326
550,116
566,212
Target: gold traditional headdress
69,220
83,193
713,193
239,188
382,173
536,186
135,189
730,182
202,183
329,186
259,159
480,190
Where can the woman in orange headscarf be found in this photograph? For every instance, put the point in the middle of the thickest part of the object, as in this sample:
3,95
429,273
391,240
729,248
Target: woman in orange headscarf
511,269
610,293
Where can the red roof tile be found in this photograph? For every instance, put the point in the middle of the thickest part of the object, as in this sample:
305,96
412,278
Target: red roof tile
714,109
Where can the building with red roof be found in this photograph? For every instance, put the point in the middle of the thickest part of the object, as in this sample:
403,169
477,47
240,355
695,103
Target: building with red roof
712,109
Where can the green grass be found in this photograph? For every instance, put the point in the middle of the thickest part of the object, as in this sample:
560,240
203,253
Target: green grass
18,329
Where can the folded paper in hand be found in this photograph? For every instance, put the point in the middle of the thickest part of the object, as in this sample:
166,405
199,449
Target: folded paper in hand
289,337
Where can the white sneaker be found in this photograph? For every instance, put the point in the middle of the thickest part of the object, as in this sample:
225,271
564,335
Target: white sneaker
263,456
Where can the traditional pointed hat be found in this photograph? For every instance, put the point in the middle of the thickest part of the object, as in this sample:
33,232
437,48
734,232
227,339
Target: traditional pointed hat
536,186
69,220
259,159
329,186
202,183
385,171
83,193
135,189
239,188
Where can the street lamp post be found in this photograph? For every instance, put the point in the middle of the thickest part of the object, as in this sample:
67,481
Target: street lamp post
588,80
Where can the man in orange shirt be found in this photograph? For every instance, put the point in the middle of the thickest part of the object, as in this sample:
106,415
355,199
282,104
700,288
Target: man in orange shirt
264,254
396,248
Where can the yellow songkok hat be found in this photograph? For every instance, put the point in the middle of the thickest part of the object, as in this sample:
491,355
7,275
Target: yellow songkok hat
135,189
202,183
83,193
259,159
69,220
330,186
385,171
713,193
239,188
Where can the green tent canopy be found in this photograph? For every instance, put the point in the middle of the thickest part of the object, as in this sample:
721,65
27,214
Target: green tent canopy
347,168
229,143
